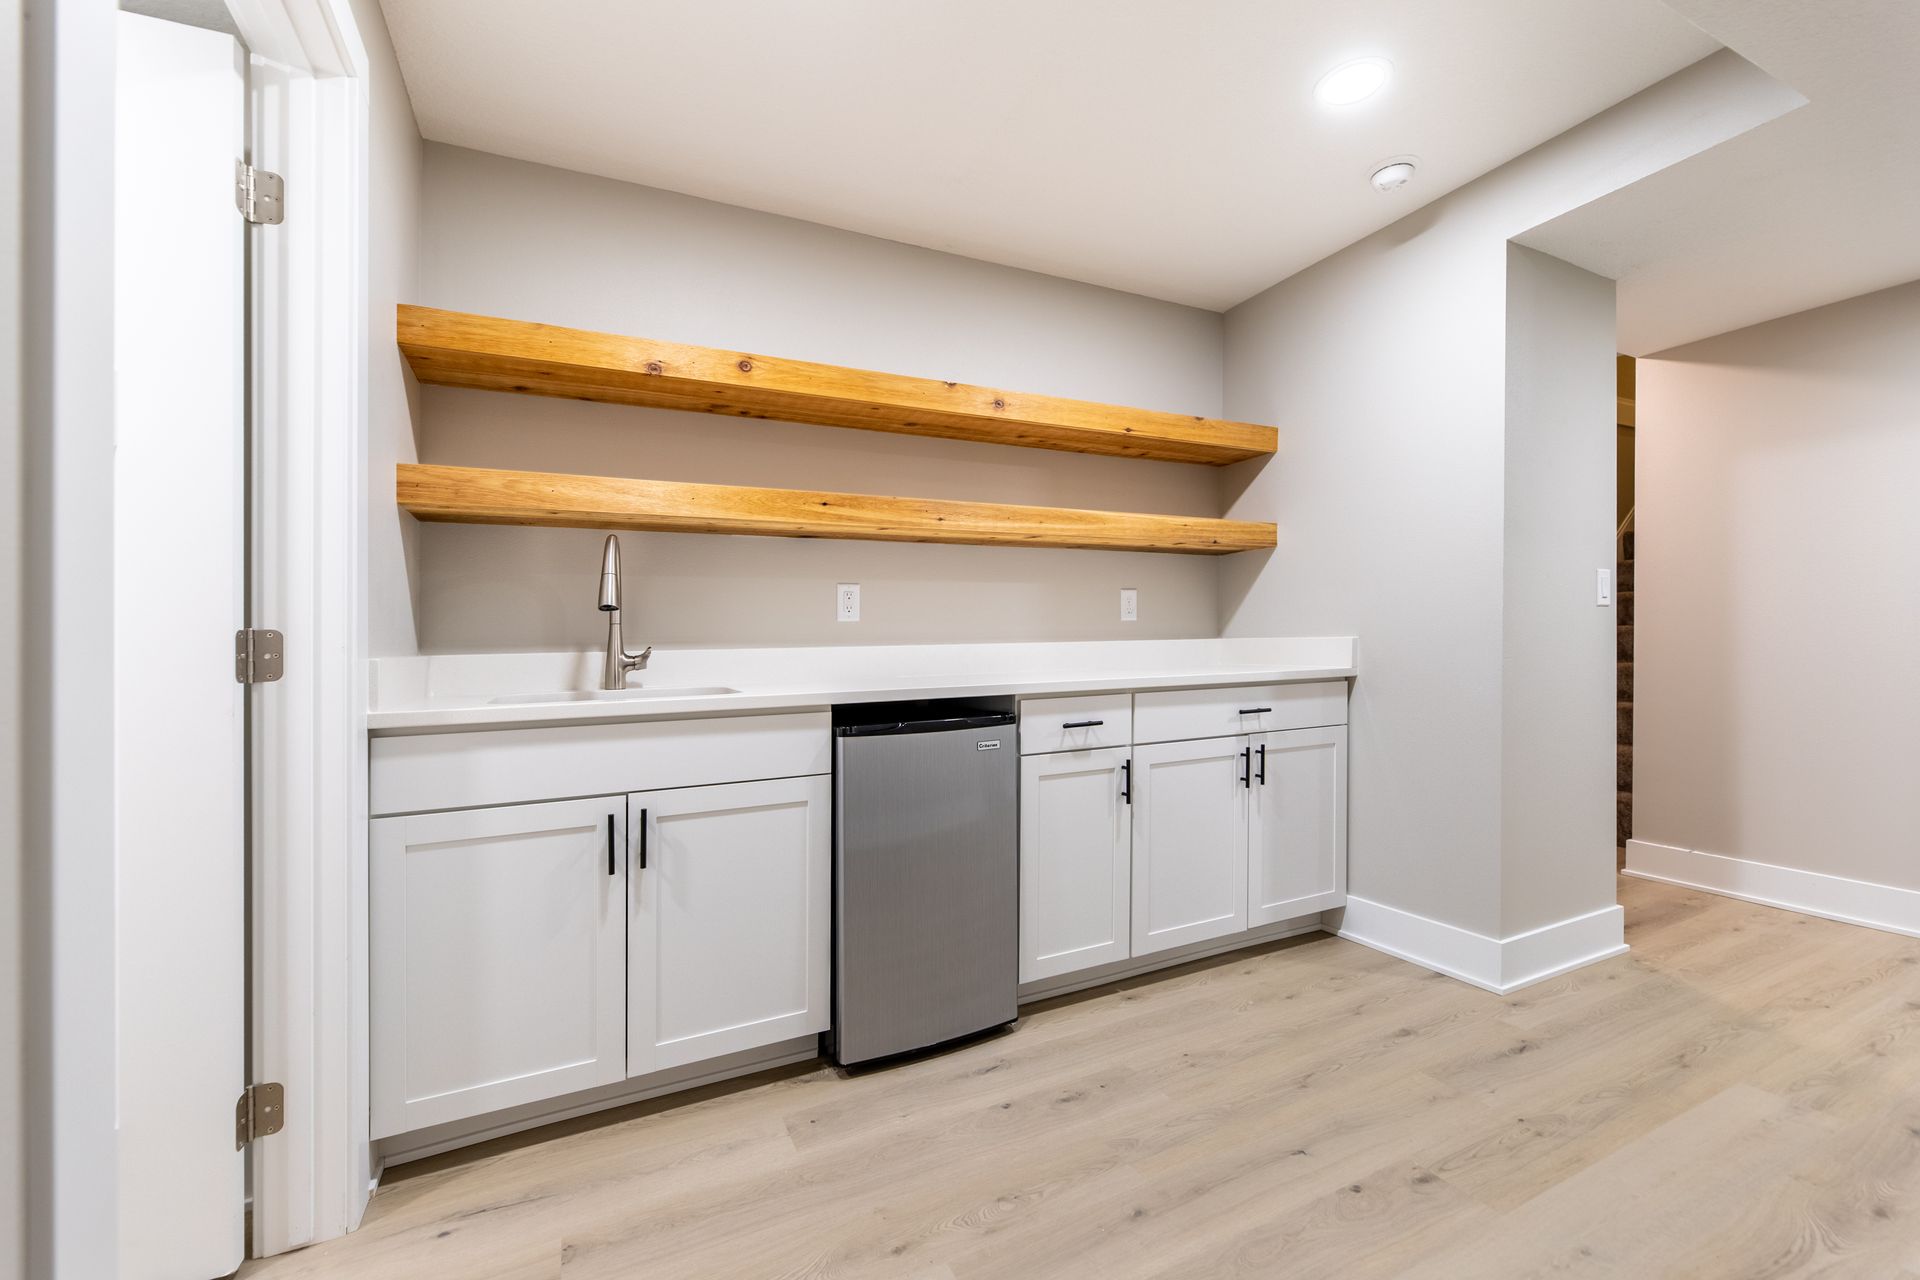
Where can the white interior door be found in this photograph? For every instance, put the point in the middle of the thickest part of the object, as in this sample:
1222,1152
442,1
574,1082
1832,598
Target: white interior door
179,557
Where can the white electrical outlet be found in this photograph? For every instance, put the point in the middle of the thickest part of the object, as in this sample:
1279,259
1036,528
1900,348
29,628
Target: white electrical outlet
1129,604
846,602
1603,594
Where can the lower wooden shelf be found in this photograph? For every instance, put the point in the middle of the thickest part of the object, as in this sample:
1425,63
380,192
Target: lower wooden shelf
472,495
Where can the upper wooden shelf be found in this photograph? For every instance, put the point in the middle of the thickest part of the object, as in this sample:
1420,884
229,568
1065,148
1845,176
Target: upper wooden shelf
453,349
474,495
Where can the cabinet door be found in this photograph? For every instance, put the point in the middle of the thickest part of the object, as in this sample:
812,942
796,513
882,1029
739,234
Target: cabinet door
1189,842
1297,832
498,958
1075,862
731,929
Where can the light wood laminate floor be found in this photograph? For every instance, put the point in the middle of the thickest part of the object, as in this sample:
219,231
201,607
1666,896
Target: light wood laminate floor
1738,1096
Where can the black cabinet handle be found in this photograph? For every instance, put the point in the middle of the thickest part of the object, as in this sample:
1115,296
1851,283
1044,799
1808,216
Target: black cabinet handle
613,866
1255,711
1263,764
643,839
1126,781
1081,724
1246,766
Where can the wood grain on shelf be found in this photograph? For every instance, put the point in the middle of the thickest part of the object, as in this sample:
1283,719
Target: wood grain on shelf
454,349
472,495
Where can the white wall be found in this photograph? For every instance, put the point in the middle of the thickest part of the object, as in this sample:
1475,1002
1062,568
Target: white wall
508,238
393,233
1386,367
1776,687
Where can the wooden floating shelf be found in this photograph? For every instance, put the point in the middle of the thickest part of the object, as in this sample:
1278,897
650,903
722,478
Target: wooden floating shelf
453,349
471,495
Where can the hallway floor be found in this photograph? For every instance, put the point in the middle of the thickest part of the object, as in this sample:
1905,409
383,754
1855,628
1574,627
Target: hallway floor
1739,1095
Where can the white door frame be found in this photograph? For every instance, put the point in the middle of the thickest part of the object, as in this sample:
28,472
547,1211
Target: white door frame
309,102
66,715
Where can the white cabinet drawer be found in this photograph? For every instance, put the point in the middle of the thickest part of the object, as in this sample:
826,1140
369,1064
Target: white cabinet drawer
415,773
1174,715
1075,724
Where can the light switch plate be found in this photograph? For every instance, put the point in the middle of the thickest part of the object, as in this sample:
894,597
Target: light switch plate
846,602
1129,604
1603,595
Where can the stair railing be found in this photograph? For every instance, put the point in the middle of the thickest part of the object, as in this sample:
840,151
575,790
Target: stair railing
1620,536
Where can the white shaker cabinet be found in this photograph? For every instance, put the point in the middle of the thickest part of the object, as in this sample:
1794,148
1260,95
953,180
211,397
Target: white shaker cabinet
1075,861
731,918
1297,827
1189,842
499,958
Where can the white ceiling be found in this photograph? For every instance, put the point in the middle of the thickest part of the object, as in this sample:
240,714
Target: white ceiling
1168,149
1818,205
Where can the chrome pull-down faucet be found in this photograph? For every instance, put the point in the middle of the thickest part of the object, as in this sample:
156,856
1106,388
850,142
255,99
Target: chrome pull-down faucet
614,674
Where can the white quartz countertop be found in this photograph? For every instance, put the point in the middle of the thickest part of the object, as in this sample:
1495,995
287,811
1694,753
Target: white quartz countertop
507,690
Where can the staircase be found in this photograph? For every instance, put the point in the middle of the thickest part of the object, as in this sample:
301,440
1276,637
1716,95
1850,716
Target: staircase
1623,691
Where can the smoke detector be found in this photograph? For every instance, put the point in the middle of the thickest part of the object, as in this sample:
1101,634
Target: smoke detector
1391,175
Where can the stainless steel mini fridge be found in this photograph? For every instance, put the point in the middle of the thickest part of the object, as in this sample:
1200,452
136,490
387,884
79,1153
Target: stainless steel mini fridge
926,875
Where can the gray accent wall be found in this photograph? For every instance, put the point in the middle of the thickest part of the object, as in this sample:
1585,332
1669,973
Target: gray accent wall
393,239
504,237
1557,731
1444,489
13,951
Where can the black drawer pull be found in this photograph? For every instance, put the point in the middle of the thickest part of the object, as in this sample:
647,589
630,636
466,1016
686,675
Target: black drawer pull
1255,711
1082,724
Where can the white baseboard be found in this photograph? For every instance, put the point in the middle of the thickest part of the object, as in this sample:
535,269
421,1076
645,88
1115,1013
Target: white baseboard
1499,965
1877,906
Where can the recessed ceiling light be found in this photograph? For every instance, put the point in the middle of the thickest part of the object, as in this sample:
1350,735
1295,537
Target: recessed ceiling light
1393,175
1352,82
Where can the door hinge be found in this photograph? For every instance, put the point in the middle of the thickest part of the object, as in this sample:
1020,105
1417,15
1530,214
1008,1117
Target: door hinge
260,193
258,656
261,1111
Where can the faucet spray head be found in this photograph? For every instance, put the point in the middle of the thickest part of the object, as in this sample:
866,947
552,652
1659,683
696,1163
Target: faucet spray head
610,575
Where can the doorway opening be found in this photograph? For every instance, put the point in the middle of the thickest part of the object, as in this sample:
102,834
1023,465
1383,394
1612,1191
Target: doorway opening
1623,606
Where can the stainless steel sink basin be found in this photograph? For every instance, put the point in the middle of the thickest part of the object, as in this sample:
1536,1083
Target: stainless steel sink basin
614,695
